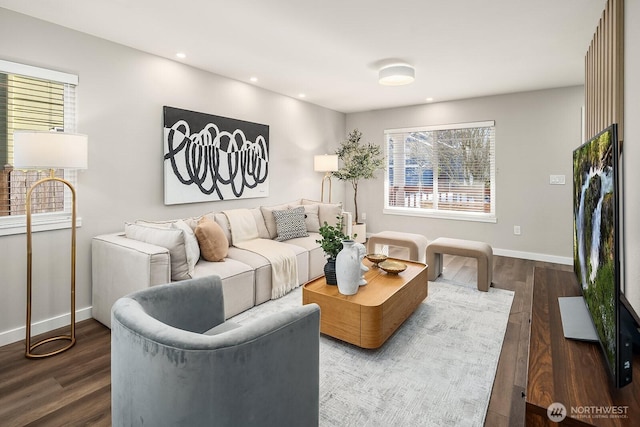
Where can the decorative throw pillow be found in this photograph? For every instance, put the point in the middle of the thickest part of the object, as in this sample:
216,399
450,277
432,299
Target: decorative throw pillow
269,220
191,246
290,224
222,220
263,233
170,238
214,245
329,212
155,224
311,219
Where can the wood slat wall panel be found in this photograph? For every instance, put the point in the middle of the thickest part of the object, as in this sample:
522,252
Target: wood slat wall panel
604,73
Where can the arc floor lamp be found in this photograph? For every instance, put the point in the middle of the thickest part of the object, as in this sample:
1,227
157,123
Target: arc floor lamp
50,150
326,163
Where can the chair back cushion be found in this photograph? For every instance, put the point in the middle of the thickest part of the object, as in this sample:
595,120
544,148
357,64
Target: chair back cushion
195,305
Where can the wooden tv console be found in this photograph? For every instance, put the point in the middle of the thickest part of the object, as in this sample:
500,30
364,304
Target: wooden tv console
571,372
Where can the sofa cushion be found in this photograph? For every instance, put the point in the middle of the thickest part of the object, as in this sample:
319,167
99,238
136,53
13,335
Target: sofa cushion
269,219
327,212
263,233
290,224
192,222
192,248
223,222
170,238
238,283
214,245
191,245
311,218
309,242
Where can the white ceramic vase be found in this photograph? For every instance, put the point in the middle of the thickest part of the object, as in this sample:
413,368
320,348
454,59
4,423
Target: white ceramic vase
348,273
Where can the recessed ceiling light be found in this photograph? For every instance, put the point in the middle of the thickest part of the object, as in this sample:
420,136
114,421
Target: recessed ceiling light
181,55
254,79
396,75
429,99
302,95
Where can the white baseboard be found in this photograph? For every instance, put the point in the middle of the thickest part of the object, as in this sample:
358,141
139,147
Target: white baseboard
19,334
533,256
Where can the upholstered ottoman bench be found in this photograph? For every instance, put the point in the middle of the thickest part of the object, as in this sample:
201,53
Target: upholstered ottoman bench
466,248
415,243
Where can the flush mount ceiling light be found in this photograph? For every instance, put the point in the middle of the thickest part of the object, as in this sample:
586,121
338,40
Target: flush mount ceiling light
396,75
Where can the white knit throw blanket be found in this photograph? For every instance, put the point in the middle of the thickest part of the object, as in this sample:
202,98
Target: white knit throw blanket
284,267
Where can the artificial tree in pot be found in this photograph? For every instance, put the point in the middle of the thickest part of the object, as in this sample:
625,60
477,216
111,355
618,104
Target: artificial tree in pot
359,161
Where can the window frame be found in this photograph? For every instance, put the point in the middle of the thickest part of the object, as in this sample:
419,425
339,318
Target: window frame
16,224
489,217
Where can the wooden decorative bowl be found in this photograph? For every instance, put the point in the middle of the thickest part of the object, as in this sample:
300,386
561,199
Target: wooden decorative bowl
392,267
376,258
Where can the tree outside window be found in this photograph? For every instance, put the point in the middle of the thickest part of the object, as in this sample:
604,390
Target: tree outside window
443,170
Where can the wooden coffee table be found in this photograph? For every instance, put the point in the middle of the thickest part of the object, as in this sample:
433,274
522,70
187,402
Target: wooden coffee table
368,318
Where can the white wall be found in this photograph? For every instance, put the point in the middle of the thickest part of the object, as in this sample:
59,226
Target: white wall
631,156
535,135
121,94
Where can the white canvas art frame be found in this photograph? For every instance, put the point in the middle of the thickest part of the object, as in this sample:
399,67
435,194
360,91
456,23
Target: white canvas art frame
209,158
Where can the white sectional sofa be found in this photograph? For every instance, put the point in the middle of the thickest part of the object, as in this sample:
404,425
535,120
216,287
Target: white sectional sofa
129,261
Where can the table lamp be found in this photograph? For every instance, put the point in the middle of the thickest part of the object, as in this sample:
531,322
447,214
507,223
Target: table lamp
325,163
50,150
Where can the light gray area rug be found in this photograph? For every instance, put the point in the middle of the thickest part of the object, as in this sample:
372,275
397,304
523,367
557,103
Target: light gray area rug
436,370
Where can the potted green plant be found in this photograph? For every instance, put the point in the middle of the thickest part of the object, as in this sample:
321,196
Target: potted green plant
359,161
331,243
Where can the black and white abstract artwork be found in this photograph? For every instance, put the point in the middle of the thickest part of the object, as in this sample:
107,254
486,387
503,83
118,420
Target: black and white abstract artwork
208,158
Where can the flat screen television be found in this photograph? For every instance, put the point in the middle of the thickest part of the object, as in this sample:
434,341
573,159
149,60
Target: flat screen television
597,251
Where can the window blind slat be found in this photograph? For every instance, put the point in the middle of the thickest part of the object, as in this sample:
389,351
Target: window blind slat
31,103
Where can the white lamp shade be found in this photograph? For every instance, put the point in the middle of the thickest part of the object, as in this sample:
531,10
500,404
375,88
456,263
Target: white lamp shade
396,75
49,150
325,163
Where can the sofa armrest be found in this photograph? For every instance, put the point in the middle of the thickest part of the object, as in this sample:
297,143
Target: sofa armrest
121,266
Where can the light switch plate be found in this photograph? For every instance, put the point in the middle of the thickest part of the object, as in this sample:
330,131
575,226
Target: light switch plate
556,179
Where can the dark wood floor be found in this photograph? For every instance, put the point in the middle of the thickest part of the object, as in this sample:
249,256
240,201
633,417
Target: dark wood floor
74,387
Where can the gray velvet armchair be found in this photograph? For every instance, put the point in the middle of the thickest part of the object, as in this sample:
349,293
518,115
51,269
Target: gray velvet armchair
176,362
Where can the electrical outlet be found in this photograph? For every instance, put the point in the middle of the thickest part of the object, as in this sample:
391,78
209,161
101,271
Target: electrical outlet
363,216
556,179
516,230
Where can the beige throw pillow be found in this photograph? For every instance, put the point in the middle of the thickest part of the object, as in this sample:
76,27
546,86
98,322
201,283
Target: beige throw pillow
214,245
311,219
191,245
263,233
269,220
170,238
329,212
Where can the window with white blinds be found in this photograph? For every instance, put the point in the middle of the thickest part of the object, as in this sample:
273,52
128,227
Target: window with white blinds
445,171
33,98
